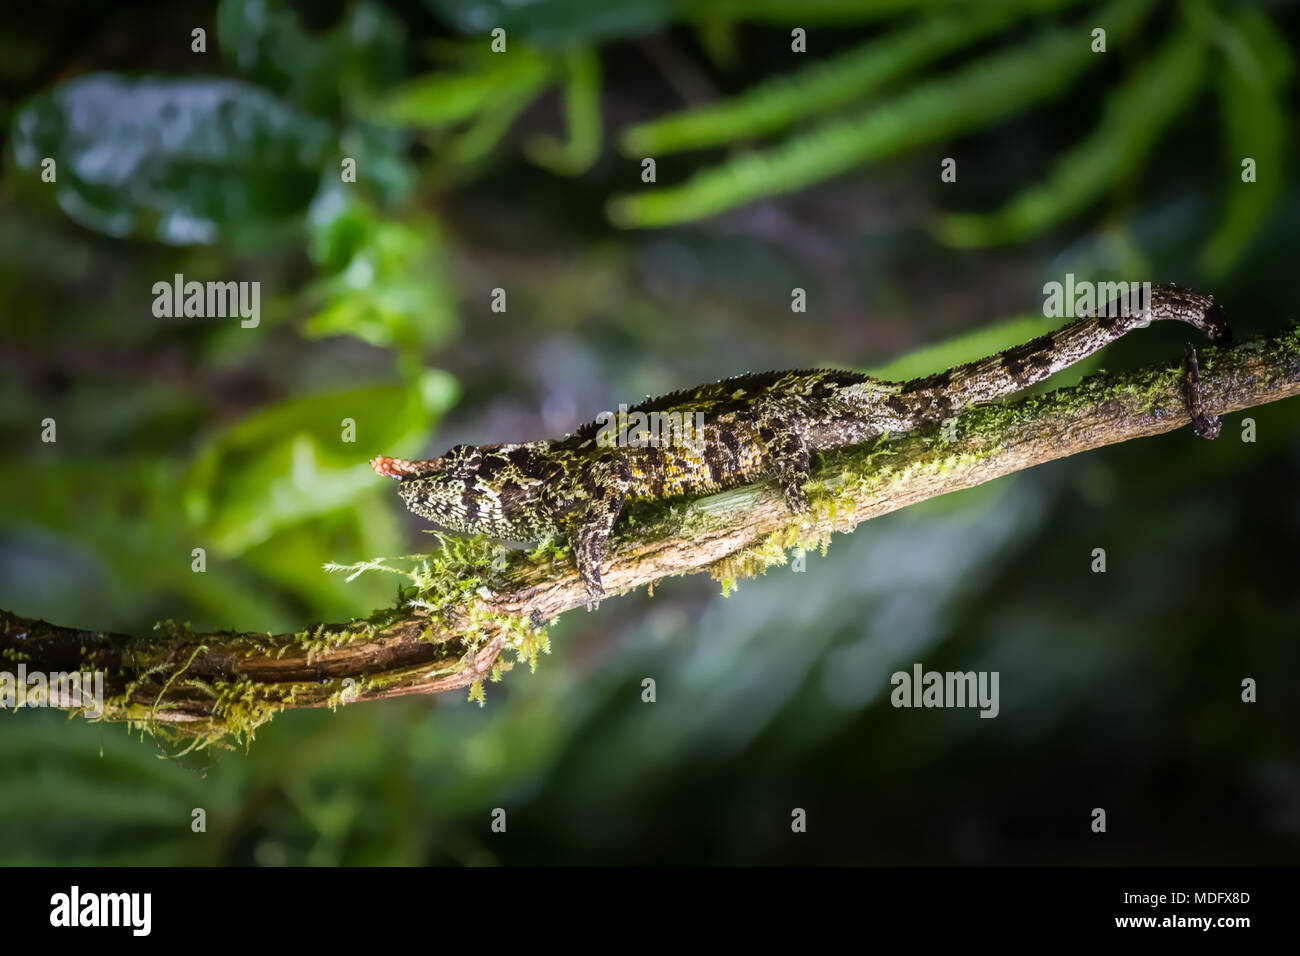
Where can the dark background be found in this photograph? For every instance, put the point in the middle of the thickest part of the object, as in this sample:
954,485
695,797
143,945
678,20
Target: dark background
479,171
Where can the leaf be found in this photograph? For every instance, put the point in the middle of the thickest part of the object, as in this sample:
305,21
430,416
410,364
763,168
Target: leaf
1256,69
125,540
444,99
184,160
486,131
818,12
291,558
1134,117
288,462
990,88
382,154
557,24
390,285
582,111
823,88
264,41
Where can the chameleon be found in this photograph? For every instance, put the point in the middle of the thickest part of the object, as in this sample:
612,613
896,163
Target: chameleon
756,426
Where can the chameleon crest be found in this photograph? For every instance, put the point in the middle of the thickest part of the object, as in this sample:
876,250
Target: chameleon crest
757,426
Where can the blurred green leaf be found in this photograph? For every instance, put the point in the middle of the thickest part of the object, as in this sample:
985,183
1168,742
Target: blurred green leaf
1257,68
488,128
180,159
388,283
582,111
384,168
264,41
556,24
990,88
443,99
825,87
123,544
292,557
1135,115
288,461
821,12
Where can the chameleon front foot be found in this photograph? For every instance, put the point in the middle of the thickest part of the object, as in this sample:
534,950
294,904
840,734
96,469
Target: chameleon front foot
589,548
1204,424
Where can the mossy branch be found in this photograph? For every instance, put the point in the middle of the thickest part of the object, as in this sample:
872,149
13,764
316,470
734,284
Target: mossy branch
473,601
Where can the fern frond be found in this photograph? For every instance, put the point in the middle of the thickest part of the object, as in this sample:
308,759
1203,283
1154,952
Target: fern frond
582,88
1135,115
821,89
447,98
992,87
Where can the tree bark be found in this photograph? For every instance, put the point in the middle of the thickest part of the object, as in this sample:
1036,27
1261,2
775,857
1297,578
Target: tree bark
214,685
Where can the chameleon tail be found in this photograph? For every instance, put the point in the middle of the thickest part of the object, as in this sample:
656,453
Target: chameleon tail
1017,368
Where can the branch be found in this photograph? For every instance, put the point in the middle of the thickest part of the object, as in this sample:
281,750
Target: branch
475,610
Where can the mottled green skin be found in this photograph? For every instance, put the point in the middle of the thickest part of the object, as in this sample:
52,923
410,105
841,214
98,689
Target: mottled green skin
755,426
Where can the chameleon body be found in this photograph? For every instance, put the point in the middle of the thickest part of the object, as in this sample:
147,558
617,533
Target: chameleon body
756,426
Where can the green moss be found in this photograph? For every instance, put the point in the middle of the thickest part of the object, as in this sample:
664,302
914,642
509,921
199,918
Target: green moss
454,587
771,551
476,693
553,547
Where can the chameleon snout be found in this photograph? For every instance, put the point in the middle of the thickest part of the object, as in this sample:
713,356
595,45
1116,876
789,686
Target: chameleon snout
401,468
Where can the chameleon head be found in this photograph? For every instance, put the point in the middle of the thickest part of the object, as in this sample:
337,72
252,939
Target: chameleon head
487,489
433,488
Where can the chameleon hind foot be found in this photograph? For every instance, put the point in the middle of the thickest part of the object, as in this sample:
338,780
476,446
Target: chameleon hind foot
796,498
1205,425
591,543
589,573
